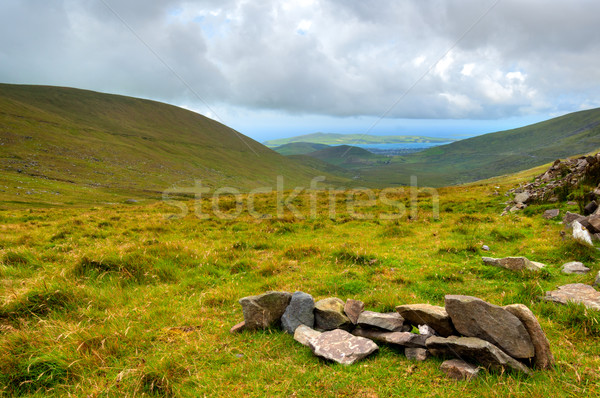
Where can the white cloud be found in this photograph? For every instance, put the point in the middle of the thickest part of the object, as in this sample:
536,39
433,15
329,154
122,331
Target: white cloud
351,57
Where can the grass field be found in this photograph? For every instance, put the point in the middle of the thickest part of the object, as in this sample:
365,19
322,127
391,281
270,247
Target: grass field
135,300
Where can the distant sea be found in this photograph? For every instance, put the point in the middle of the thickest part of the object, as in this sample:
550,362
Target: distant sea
399,148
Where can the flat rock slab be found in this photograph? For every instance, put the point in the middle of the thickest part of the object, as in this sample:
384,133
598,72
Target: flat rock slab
342,347
353,309
304,334
404,339
458,369
570,217
475,350
543,358
431,315
575,267
300,311
513,263
473,317
391,322
550,214
330,315
576,293
265,310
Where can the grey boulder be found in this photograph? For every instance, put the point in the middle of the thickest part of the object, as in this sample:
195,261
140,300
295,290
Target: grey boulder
300,311
330,315
353,309
473,317
404,339
265,310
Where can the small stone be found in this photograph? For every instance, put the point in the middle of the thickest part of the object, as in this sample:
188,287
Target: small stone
300,311
597,280
550,214
329,315
391,322
427,314
238,328
353,309
304,334
485,247
575,267
459,370
576,293
265,310
513,263
426,330
342,347
417,354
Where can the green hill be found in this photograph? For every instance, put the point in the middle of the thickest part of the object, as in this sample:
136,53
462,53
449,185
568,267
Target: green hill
349,157
65,145
494,154
352,139
299,148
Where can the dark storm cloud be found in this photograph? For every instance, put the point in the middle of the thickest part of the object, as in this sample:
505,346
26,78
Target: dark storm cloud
330,57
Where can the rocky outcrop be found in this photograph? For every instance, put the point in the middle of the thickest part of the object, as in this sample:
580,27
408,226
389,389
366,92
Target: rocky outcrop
513,263
265,310
563,175
300,311
473,317
433,316
476,350
330,315
543,358
575,293
392,322
342,347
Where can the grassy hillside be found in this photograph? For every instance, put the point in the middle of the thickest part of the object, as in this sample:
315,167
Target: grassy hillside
496,153
352,139
83,145
299,148
349,157
127,301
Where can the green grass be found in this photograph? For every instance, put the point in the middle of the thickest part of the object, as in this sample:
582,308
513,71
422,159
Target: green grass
123,300
62,146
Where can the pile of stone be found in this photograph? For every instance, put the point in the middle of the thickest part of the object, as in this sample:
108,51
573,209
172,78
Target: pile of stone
563,174
476,333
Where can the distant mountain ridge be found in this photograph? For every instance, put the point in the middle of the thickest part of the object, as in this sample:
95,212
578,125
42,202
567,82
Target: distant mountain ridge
352,139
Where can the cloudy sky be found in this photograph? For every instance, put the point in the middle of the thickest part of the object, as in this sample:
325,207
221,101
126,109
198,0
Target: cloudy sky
272,68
